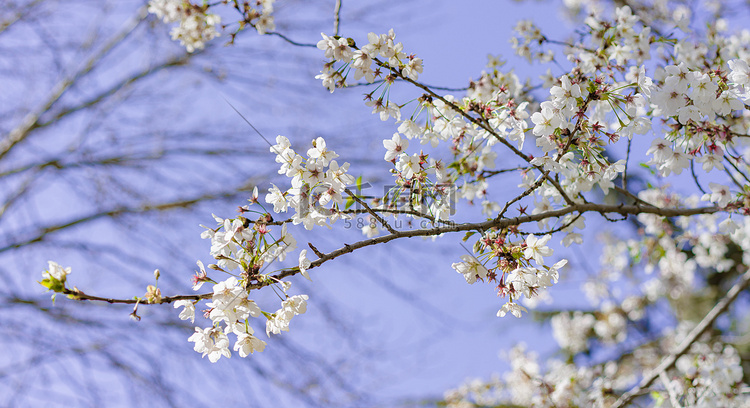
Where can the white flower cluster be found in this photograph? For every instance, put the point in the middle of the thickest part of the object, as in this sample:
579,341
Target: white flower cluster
694,99
290,307
230,311
318,184
529,35
443,125
707,236
605,99
363,60
673,250
562,385
558,120
231,308
705,377
472,146
710,377
513,272
54,278
238,243
431,197
196,27
261,17
572,331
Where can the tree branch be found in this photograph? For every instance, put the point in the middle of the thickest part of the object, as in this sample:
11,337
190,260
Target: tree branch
437,230
40,236
31,120
704,324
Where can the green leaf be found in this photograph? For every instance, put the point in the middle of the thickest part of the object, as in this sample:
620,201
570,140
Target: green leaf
53,284
468,235
359,184
349,202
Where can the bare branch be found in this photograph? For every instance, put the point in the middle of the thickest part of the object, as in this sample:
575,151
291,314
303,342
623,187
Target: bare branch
437,230
336,17
185,203
31,120
18,15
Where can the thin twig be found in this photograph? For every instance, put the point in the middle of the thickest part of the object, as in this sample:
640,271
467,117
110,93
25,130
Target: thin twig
695,177
31,120
77,294
625,172
552,231
290,41
490,173
731,176
380,81
737,169
370,211
336,17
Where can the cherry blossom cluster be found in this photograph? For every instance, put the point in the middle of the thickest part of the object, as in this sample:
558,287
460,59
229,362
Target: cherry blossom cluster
696,93
593,106
695,101
257,14
230,308
511,270
235,244
659,13
196,27
472,147
696,104
230,311
530,383
241,244
670,252
707,376
318,184
528,39
372,61
414,189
